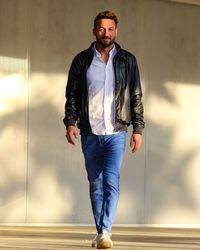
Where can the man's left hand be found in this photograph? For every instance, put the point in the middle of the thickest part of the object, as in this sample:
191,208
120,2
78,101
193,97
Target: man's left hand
135,142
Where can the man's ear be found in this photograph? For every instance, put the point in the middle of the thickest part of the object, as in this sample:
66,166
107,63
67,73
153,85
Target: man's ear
116,31
94,32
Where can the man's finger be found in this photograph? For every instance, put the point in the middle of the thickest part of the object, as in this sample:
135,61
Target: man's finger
71,136
136,147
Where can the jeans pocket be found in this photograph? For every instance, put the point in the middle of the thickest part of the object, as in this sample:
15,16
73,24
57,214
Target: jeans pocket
86,141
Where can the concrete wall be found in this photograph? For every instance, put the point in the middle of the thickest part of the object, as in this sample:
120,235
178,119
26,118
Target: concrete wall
42,178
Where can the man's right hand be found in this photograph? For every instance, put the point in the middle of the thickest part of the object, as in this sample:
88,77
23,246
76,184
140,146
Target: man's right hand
71,134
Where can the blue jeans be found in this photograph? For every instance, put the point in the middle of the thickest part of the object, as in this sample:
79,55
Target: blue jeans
103,158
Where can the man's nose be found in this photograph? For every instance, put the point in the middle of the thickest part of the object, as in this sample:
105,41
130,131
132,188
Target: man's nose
106,33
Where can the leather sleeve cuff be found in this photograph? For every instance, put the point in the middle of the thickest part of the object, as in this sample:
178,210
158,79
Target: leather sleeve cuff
137,131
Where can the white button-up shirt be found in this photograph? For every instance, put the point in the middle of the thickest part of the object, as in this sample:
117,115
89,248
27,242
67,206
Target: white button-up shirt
101,86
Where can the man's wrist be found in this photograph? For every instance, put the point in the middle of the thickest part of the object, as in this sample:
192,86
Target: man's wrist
70,125
137,131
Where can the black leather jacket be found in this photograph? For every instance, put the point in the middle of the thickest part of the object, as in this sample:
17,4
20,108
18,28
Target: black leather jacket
128,93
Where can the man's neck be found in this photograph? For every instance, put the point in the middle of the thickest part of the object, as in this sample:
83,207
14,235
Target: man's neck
104,50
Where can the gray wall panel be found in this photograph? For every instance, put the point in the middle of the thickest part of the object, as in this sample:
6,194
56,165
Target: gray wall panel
43,178
13,111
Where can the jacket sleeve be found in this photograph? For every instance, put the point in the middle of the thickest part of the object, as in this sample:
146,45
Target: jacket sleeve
72,94
137,117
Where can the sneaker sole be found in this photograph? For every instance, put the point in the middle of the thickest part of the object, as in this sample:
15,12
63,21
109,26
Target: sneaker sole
104,245
94,244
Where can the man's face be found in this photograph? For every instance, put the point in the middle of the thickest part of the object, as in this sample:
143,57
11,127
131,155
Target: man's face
105,32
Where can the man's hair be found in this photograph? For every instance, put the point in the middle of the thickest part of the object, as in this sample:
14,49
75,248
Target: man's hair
106,15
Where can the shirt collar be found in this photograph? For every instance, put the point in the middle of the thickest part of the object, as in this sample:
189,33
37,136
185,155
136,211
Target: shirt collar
111,52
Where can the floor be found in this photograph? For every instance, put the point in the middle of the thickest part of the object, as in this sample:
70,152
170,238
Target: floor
79,238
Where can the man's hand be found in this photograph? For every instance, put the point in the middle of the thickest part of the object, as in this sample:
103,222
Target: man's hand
135,142
71,134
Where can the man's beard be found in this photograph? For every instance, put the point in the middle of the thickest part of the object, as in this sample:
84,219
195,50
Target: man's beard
106,42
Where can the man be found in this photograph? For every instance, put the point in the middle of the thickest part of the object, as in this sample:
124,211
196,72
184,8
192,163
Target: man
103,98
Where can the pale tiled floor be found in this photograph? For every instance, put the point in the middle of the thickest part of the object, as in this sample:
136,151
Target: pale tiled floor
79,238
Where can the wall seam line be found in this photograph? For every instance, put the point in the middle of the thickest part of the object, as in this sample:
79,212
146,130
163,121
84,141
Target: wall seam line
27,108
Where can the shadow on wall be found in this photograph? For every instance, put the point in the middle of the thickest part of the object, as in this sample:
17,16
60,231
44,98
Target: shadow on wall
55,187
171,66
162,192
169,195
42,176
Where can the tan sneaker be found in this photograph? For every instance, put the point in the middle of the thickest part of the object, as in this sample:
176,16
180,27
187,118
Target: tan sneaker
104,241
94,241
